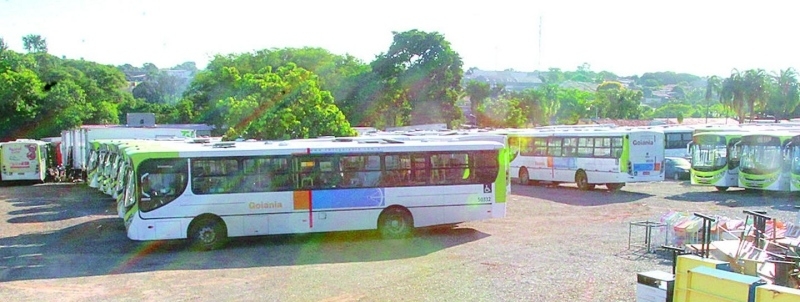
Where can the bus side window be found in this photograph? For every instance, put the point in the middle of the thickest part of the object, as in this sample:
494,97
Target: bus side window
200,182
330,175
281,181
419,169
396,170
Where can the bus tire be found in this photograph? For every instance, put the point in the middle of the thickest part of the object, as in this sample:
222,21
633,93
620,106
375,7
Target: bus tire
721,189
395,223
524,177
582,181
615,186
207,232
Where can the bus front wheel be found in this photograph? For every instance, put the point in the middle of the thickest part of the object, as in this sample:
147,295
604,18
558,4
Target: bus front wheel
207,233
524,178
583,181
395,223
721,189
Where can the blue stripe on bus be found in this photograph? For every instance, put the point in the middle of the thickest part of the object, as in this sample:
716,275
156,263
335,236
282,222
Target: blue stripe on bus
564,163
348,198
644,167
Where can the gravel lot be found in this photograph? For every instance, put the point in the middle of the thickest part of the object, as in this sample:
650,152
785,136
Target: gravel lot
62,242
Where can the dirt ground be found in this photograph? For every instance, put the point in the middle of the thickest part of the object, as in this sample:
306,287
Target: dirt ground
63,242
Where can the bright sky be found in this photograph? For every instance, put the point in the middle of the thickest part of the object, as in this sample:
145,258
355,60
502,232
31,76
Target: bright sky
702,37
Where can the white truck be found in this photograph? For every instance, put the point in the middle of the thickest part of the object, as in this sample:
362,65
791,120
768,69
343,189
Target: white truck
75,142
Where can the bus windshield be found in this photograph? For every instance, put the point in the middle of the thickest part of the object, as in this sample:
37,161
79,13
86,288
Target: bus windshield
709,157
761,159
161,181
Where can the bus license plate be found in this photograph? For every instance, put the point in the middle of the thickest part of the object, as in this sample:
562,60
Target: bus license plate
646,173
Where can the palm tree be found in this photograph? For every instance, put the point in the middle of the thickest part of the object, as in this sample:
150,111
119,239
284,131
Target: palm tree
712,87
789,91
755,82
732,94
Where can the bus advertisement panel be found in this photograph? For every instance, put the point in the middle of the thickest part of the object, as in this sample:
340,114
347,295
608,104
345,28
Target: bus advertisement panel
23,160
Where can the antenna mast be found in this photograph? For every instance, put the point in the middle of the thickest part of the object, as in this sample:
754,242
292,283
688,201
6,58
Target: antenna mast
539,64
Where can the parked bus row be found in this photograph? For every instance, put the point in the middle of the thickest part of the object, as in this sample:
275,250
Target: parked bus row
75,143
210,191
762,158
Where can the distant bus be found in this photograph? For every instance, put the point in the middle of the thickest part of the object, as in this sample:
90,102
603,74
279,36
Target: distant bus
24,159
715,159
209,192
793,153
676,140
587,157
765,161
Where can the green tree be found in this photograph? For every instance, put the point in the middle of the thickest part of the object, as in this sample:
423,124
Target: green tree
530,102
553,76
787,97
574,105
550,104
20,92
34,43
344,76
755,90
732,94
421,69
712,87
281,105
501,113
604,76
188,66
478,92
617,102
64,106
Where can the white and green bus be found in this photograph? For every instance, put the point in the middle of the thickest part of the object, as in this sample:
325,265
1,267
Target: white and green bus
209,192
587,157
765,163
793,150
715,159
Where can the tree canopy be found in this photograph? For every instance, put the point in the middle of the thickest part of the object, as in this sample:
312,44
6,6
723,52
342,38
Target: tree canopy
283,93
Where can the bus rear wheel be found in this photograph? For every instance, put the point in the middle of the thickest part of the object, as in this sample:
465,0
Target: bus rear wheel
721,189
207,233
395,223
583,181
524,178
615,186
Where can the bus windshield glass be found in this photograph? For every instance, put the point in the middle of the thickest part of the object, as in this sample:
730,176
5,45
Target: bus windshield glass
709,153
761,159
161,181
